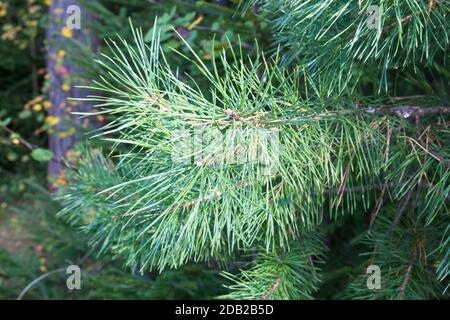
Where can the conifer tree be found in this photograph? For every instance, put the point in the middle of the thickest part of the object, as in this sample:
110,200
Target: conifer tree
339,145
64,27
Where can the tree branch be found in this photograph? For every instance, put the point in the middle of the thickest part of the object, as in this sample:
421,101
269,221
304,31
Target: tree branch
401,295
402,20
272,290
27,144
407,111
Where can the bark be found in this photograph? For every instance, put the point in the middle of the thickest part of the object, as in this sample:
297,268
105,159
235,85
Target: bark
64,75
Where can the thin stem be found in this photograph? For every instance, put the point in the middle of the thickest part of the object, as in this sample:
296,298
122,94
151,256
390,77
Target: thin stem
27,144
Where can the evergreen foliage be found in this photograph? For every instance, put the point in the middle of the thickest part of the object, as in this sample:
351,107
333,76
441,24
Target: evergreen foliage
343,149
335,38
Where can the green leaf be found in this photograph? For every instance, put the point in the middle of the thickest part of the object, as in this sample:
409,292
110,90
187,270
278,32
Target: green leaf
11,156
5,122
25,114
42,155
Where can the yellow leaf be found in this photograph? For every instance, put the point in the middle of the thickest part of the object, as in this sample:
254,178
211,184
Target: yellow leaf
195,23
52,120
37,107
35,100
47,104
66,32
3,9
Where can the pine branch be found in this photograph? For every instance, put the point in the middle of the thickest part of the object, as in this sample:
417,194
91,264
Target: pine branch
332,38
402,20
394,248
408,111
282,275
328,150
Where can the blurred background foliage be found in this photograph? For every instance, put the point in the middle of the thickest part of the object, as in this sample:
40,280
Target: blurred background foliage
36,246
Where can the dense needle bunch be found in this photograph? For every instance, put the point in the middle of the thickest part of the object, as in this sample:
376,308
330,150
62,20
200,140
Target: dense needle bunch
341,40
325,153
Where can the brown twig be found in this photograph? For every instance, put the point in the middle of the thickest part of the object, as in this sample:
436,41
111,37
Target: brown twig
217,194
417,96
400,210
272,290
346,175
434,154
27,144
407,111
377,207
401,295
402,20
431,5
